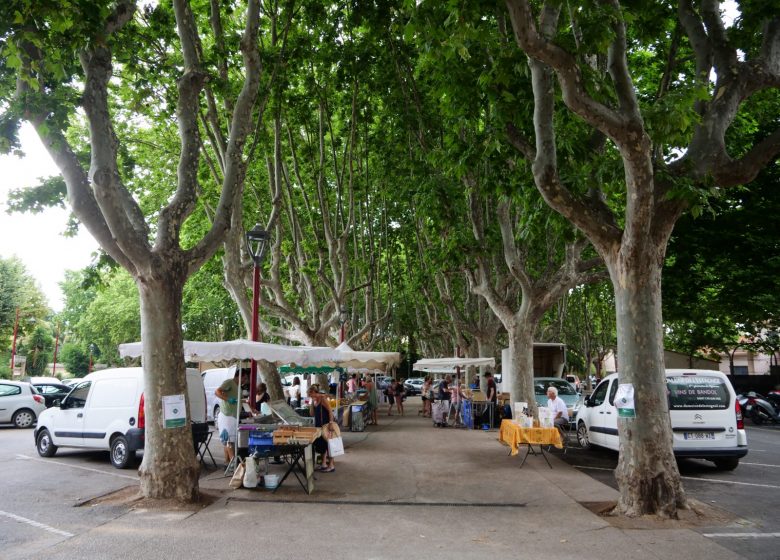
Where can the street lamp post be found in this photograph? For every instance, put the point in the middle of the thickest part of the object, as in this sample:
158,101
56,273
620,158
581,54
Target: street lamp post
343,318
56,347
13,346
92,349
257,241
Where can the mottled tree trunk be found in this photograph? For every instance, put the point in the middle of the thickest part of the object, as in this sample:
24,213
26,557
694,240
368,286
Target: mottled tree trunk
273,381
647,472
517,376
169,468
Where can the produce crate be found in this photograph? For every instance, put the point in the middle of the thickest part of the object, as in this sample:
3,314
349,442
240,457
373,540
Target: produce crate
261,439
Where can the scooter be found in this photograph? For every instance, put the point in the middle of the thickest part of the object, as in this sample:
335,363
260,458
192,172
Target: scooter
758,409
774,398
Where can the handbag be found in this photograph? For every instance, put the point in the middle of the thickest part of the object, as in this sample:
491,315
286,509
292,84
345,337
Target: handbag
331,430
335,446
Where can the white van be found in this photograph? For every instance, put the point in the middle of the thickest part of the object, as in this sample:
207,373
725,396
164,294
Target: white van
106,411
705,415
212,379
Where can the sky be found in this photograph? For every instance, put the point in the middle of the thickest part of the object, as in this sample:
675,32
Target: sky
37,238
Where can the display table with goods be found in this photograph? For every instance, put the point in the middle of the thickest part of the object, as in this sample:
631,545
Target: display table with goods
291,444
476,410
513,434
282,435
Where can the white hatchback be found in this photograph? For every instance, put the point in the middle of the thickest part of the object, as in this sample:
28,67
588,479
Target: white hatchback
20,403
703,408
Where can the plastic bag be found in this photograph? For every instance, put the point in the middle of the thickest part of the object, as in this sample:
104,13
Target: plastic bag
335,446
250,476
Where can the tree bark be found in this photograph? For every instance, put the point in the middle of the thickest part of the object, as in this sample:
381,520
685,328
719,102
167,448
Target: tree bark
517,376
272,379
169,468
647,472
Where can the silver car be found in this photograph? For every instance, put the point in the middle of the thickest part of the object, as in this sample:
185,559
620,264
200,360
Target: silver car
20,403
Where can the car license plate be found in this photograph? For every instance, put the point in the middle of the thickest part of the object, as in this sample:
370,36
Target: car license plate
698,435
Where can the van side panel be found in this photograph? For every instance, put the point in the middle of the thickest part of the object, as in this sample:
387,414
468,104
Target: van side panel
113,404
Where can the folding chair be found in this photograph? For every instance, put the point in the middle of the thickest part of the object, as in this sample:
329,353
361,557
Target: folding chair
565,431
201,437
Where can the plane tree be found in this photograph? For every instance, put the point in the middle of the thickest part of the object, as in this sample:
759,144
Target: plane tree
666,87
102,62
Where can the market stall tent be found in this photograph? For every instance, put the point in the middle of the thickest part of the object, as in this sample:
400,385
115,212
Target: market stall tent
196,351
344,356
434,365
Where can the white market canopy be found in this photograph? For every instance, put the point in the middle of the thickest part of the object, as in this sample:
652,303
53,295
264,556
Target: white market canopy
195,351
449,364
342,356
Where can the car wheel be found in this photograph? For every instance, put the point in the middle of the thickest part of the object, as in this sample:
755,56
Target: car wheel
121,456
44,445
582,435
24,418
216,412
726,463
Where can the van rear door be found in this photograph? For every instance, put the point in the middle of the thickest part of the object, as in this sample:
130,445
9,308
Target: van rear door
196,396
702,411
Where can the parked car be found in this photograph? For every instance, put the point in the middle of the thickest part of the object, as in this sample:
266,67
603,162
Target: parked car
413,385
383,383
52,392
20,403
72,381
703,408
106,411
574,380
566,392
212,379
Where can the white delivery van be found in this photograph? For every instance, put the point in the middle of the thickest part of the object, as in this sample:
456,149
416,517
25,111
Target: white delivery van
106,411
705,415
212,379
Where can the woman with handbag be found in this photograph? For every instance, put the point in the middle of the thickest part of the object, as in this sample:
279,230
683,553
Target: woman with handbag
320,410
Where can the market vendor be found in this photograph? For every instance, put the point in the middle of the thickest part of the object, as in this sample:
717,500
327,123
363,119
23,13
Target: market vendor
319,409
560,411
261,396
227,423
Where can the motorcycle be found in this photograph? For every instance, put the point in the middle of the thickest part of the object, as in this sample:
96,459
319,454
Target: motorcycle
758,409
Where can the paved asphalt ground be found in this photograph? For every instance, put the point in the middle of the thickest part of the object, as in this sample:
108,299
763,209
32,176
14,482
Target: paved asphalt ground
752,491
404,489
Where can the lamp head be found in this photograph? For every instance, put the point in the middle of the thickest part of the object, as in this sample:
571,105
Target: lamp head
257,241
343,314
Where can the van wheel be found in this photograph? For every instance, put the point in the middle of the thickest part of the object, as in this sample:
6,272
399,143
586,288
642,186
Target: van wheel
726,463
582,435
44,445
216,412
24,418
121,456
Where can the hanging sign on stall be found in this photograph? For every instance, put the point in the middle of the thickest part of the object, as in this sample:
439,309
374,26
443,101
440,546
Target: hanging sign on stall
624,401
174,411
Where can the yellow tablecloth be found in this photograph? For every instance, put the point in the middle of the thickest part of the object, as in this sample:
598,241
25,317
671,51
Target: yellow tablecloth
514,436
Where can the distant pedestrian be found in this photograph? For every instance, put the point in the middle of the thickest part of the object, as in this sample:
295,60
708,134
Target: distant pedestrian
390,394
427,397
400,393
